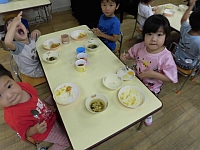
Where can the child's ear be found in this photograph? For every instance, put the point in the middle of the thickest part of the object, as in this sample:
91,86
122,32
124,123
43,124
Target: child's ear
27,31
117,7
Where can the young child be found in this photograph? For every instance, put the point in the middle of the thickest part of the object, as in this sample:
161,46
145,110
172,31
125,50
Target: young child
18,99
153,63
145,10
190,37
109,25
22,47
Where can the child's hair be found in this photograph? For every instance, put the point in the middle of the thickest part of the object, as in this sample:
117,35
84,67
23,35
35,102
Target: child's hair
116,1
154,22
145,1
24,21
5,72
195,19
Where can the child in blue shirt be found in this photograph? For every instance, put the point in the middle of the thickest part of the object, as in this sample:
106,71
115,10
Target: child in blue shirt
109,25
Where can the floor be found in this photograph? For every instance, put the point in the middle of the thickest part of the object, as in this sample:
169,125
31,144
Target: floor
175,127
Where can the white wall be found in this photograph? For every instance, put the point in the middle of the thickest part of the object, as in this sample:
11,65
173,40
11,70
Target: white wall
57,6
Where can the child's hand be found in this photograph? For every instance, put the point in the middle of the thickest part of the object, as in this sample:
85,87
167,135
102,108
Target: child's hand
35,33
41,127
97,32
16,21
147,74
124,57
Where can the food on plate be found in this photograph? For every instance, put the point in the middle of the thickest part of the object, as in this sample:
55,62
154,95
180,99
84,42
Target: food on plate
51,58
169,6
97,105
54,45
81,35
129,97
46,46
68,88
92,46
63,90
131,73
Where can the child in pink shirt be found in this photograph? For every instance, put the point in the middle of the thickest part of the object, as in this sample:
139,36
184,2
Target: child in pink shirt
153,63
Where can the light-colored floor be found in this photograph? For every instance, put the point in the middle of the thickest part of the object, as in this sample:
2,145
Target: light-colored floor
175,127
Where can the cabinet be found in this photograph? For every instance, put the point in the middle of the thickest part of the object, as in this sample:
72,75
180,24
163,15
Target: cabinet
87,12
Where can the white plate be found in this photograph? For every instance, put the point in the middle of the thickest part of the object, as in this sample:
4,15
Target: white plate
131,96
112,81
52,44
126,74
50,57
64,97
78,35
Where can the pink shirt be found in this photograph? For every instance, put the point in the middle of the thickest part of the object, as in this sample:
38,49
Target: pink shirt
162,62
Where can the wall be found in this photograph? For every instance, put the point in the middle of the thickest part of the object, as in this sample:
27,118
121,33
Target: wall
31,14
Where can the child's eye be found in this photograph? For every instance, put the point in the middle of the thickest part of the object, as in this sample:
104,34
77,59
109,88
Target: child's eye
160,34
149,34
0,95
9,86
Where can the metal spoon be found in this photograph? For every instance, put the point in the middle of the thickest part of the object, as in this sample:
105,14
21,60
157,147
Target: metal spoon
35,113
126,62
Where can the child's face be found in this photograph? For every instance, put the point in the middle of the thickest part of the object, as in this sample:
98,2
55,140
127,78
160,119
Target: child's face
10,92
108,8
155,41
20,32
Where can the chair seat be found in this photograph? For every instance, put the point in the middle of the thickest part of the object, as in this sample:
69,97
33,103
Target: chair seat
138,30
33,81
186,72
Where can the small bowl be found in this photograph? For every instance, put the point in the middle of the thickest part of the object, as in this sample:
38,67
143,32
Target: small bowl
52,44
112,81
92,45
96,103
78,35
183,7
168,13
50,57
80,50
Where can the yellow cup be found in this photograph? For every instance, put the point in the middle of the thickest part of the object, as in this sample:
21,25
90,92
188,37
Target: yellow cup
80,65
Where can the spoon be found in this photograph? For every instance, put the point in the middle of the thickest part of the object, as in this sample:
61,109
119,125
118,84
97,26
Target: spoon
126,62
35,113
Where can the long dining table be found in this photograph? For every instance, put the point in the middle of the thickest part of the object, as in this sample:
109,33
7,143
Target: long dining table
84,129
175,20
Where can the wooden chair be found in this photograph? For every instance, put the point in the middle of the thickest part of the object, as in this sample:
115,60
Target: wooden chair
136,28
117,51
24,78
187,73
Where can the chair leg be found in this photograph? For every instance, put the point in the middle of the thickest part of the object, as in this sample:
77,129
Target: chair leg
179,91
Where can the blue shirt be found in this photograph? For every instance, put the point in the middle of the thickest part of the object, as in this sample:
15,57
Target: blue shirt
109,26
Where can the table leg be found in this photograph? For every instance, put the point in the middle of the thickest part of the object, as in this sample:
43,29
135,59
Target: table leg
140,126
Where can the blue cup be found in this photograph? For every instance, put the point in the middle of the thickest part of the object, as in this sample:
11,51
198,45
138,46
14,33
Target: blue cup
80,50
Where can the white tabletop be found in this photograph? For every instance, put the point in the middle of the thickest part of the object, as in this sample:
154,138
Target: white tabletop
84,128
175,21
14,5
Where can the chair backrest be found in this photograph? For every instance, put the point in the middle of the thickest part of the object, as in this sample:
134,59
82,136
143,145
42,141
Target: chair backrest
24,78
120,40
173,47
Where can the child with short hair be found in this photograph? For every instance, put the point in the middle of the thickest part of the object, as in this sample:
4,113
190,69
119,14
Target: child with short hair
190,37
22,47
17,100
108,28
153,63
145,10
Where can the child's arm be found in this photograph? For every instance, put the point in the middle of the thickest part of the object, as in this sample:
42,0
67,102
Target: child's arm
11,31
98,32
35,33
154,74
37,128
187,12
